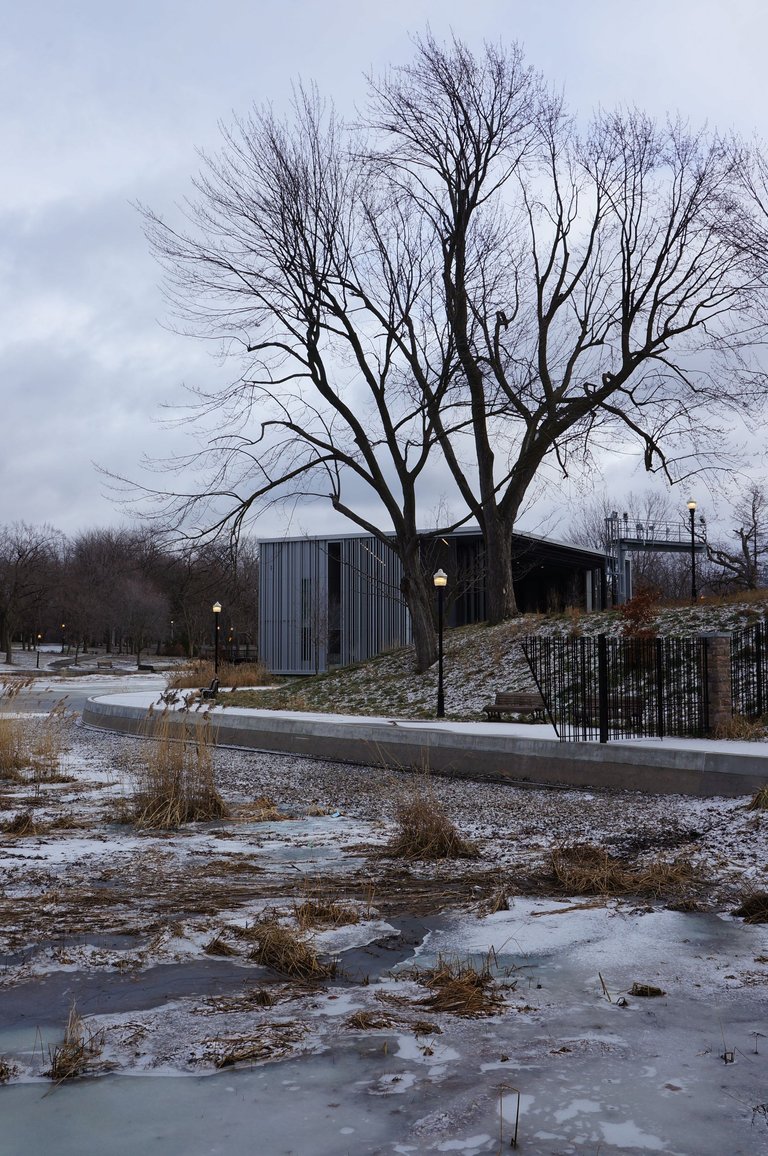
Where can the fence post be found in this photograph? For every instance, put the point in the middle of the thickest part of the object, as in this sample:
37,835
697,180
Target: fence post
759,669
718,690
602,686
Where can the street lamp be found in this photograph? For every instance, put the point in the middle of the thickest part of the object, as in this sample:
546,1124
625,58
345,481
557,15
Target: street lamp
692,513
216,613
440,579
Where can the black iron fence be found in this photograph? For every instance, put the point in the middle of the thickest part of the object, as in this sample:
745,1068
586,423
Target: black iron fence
749,671
606,688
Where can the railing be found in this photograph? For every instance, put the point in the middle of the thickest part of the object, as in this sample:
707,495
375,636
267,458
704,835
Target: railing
749,671
608,688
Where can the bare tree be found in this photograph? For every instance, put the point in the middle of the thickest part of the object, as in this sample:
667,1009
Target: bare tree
588,284
29,558
742,566
462,273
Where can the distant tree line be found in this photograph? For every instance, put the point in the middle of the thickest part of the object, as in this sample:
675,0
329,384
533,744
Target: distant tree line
123,591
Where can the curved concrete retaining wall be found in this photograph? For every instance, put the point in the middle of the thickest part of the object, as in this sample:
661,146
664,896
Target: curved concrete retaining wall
472,754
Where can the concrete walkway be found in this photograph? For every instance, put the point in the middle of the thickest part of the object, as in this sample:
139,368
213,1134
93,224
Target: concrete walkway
515,752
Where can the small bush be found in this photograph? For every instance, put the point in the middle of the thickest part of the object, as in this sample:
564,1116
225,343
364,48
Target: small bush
424,831
638,614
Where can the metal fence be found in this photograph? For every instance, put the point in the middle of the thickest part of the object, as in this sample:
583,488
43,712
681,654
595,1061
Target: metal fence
749,671
607,688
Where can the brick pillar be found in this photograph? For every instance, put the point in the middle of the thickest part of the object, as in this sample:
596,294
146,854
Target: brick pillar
719,690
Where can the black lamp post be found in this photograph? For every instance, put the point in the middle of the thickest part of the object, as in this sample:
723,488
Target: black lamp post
216,613
440,579
692,513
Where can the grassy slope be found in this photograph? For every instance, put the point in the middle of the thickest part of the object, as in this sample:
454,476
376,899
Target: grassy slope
479,660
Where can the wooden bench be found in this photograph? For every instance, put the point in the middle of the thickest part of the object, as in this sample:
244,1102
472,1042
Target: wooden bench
527,703
210,691
104,665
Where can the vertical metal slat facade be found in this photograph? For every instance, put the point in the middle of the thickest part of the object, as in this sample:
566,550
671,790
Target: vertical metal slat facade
327,602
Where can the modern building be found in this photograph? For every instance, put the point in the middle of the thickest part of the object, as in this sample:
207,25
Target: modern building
331,601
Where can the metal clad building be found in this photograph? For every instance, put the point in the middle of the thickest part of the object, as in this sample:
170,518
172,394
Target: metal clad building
328,602
333,601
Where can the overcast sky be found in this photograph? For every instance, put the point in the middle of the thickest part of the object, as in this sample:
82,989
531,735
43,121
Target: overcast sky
105,104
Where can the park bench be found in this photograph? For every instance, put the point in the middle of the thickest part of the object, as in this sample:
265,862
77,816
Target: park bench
211,690
104,665
525,703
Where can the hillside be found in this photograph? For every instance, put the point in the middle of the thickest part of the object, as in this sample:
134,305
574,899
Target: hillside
479,660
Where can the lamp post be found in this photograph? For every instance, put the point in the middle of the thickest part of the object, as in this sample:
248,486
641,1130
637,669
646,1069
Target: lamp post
216,613
440,579
692,514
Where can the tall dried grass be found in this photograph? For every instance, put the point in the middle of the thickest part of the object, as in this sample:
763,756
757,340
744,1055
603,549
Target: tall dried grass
13,747
77,1051
235,675
176,783
759,801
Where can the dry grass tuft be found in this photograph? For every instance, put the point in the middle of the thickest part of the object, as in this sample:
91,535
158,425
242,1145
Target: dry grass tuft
274,1041
754,907
7,1070
219,946
77,1051
588,870
22,823
177,784
364,1021
740,728
461,989
424,831
324,913
284,951
646,991
759,801
261,810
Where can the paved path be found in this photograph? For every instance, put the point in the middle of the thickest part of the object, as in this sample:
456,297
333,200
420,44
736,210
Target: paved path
518,753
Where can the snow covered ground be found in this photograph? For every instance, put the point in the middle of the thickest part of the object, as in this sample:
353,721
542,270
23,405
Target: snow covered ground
124,922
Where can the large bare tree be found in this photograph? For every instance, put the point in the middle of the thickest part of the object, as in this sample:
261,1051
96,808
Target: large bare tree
463,276
594,288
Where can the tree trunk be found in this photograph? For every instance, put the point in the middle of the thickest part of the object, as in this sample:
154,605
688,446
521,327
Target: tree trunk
500,593
419,599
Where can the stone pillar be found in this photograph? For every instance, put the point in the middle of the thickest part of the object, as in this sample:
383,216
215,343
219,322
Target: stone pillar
718,689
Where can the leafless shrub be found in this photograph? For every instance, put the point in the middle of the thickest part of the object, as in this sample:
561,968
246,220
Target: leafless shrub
587,870
176,783
77,1051
284,951
7,1070
424,831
